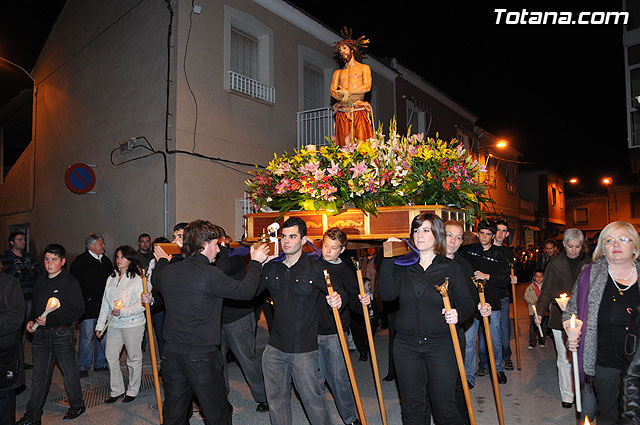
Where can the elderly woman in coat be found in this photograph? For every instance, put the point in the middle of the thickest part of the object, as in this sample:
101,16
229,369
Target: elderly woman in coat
603,297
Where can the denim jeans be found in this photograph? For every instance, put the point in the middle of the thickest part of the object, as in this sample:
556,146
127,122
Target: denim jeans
334,370
199,374
240,337
7,407
279,370
505,328
89,346
51,344
471,337
427,373
496,339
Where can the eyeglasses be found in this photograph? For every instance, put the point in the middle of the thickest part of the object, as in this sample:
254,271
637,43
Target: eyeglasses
622,240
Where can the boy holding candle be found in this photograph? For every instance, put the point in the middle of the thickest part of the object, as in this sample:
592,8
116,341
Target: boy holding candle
531,295
54,337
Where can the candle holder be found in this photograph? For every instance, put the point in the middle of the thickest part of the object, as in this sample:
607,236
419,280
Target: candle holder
573,328
52,304
117,305
562,301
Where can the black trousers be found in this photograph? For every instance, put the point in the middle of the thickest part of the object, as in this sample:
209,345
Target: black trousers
50,344
199,374
427,373
8,407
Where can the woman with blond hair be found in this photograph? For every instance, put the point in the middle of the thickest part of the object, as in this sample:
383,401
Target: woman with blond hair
603,297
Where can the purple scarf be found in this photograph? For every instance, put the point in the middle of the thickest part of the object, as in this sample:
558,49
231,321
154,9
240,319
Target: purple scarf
410,258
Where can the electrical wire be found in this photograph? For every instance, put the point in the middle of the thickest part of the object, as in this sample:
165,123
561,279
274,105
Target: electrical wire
186,77
219,161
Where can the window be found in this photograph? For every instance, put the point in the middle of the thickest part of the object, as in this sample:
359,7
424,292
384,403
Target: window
554,196
244,54
313,88
415,118
248,56
581,215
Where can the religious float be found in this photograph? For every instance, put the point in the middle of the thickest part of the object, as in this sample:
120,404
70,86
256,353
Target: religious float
371,189
369,185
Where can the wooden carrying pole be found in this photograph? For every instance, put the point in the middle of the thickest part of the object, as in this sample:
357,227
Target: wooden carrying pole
152,346
444,291
345,352
372,349
492,360
515,319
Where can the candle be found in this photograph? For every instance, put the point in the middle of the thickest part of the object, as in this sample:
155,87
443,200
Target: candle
586,421
573,327
562,301
535,312
117,305
52,304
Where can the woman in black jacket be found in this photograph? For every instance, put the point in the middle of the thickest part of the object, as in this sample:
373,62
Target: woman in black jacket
423,352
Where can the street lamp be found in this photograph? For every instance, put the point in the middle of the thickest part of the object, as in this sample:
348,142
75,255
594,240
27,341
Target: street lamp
502,143
607,181
574,180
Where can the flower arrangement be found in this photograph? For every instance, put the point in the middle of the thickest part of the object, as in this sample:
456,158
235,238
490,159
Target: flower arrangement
393,171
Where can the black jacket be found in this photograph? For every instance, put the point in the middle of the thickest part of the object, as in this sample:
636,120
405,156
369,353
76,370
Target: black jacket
295,291
11,318
67,290
193,293
343,279
494,262
92,276
420,313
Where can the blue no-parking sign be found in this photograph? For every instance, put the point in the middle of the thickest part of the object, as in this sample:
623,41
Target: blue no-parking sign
80,178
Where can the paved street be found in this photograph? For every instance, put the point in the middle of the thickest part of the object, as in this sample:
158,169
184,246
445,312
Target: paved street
531,396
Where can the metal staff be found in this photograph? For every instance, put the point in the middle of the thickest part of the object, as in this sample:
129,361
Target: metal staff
372,349
492,360
345,352
152,345
444,291
515,319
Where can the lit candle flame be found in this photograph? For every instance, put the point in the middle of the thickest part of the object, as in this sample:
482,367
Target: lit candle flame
52,303
563,296
118,304
572,322
586,421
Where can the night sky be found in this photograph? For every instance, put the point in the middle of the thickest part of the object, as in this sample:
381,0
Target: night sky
556,92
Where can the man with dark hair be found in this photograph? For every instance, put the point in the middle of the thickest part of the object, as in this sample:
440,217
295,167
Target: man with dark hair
17,262
295,285
490,265
144,250
501,236
91,269
178,233
53,338
193,294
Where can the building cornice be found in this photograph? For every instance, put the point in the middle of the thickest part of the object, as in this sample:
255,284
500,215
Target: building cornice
310,25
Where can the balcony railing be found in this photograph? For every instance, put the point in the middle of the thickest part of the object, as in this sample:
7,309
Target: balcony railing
251,87
314,126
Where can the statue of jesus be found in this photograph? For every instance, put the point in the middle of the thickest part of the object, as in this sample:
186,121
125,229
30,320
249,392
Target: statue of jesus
354,116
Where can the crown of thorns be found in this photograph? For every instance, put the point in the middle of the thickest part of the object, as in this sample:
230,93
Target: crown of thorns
358,44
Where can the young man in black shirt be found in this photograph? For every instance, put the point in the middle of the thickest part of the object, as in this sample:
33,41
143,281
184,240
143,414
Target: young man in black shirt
489,264
295,285
193,293
54,337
